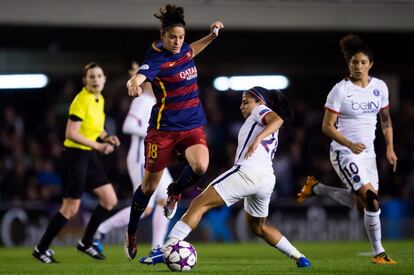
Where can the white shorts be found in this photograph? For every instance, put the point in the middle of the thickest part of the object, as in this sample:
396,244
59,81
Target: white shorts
136,173
254,187
355,170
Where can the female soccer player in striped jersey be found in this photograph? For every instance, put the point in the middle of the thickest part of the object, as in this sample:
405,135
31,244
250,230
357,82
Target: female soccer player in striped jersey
136,124
177,118
252,178
350,119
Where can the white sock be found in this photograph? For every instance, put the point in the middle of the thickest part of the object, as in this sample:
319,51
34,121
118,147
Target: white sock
340,195
180,231
159,226
288,249
120,219
373,227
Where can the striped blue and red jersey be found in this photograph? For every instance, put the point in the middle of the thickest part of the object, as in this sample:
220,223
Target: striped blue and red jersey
174,82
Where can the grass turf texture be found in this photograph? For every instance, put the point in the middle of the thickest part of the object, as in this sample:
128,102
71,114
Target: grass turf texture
251,258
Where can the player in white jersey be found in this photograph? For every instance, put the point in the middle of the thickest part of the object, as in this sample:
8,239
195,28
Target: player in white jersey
136,124
252,177
350,119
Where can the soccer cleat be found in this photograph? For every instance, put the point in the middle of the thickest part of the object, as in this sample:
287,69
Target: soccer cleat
306,191
98,245
91,251
130,246
44,257
171,206
382,258
155,257
303,262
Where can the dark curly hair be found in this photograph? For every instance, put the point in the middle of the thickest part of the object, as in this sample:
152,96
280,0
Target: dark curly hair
352,44
170,16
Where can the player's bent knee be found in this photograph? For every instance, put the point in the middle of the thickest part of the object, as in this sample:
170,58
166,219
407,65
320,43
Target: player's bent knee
256,228
200,168
108,199
69,212
372,201
110,204
69,208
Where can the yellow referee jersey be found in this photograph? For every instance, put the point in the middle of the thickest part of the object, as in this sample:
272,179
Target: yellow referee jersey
91,111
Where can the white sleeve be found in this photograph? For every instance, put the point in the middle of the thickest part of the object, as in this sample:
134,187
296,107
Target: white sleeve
334,100
260,112
384,95
136,122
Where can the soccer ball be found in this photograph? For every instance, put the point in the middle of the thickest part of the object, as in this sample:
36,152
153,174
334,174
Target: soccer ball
180,256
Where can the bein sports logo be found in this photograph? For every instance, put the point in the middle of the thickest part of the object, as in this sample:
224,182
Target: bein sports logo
366,107
189,73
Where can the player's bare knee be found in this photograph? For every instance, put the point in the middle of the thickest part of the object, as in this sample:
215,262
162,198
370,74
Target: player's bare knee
71,214
110,203
199,167
256,229
372,201
69,211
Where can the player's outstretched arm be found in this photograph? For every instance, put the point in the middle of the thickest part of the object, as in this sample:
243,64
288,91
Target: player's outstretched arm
199,45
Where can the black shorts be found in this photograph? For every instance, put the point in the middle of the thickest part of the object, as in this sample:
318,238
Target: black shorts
81,171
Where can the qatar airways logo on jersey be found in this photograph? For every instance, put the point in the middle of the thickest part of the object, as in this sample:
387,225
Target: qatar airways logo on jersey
189,73
365,106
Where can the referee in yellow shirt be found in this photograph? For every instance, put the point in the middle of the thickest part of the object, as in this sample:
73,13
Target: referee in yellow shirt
82,169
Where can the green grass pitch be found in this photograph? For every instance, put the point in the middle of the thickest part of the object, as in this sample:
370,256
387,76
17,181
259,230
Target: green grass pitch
248,258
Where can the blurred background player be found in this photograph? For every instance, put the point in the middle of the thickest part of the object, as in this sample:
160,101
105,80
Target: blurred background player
82,168
136,124
350,119
252,178
177,119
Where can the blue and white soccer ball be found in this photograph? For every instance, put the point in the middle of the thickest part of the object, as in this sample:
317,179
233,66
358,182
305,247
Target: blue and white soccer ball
180,256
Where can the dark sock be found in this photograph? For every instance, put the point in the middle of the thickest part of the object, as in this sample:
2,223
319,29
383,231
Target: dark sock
54,227
186,179
139,203
99,214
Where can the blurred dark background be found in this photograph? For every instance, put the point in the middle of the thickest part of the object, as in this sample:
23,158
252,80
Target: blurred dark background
261,39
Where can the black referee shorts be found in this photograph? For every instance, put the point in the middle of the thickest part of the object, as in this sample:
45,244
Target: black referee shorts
82,170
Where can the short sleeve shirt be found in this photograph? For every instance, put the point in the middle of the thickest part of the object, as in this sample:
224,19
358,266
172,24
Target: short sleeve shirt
91,111
252,127
174,82
357,110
